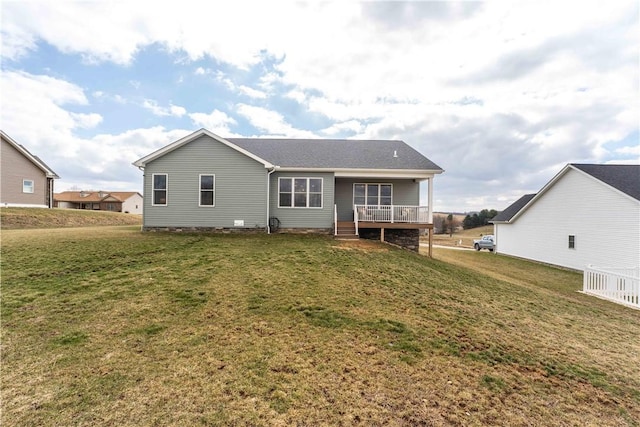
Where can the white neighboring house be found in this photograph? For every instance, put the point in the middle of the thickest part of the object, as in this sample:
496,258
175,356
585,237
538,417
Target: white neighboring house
588,214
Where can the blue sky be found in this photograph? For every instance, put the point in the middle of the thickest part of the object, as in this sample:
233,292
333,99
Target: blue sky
499,94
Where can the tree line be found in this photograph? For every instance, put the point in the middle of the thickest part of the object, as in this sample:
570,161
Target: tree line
479,219
448,223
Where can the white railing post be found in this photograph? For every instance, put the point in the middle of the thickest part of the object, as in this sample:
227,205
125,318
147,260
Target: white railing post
335,219
356,218
621,285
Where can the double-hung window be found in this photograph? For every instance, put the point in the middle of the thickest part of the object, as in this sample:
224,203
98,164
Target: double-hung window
372,194
207,190
300,192
28,186
160,189
572,241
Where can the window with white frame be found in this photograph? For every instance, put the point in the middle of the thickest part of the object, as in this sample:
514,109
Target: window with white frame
160,189
28,186
300,192
207,190
372,194
572,241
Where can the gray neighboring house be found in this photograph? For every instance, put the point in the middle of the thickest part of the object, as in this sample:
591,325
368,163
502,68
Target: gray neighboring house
348,188
25,180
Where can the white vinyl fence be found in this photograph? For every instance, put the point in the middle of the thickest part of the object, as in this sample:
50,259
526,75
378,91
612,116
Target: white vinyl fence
621,285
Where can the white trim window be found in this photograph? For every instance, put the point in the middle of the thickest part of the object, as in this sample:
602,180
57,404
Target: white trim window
300,192
28,186
572,241
160,184
207,190
372,194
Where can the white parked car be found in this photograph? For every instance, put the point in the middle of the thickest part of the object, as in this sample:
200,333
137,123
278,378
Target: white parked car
487,242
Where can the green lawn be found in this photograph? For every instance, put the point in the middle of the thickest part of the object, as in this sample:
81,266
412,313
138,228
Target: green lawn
111,326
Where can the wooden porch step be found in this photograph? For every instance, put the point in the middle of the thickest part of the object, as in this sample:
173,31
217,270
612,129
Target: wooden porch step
346,237
346,230
346,224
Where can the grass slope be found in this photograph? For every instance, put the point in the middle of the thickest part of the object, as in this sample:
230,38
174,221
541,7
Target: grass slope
110,326
21,218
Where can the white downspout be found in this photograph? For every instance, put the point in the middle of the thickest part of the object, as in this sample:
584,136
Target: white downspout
141,168
51,183
270,171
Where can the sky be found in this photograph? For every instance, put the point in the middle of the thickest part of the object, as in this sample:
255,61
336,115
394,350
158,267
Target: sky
501,95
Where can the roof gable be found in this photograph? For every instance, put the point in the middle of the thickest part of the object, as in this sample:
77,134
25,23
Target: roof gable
192,137
124,195
624,178
513,209
32,158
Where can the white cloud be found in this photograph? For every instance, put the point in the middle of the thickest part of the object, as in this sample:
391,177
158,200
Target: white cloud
177,111
252,93
348,126
102,161
217,122
171,110
44,119
270,122
633,150
86,120
15,41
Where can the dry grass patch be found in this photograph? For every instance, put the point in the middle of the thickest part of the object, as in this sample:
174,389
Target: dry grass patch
129,328
25,218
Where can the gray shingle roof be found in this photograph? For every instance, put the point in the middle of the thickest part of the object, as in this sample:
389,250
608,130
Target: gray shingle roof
625,178
513,209
336,153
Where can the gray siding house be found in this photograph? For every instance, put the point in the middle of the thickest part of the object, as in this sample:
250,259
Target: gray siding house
26,180
348,188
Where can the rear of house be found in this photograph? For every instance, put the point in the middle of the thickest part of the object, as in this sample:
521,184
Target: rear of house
205,182
26,180
586,215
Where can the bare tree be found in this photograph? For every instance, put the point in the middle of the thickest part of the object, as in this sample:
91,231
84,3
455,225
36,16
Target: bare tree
451,223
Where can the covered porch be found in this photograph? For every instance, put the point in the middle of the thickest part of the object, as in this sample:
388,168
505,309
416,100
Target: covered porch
398,224
383,207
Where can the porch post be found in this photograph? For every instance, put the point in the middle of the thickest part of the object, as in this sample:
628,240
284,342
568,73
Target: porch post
430,203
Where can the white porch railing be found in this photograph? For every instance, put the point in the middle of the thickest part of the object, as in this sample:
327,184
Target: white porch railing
392,213
335,220
621,285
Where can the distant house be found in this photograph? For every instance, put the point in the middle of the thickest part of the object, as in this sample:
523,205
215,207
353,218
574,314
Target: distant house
26,181
344,187
114,201
588,214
